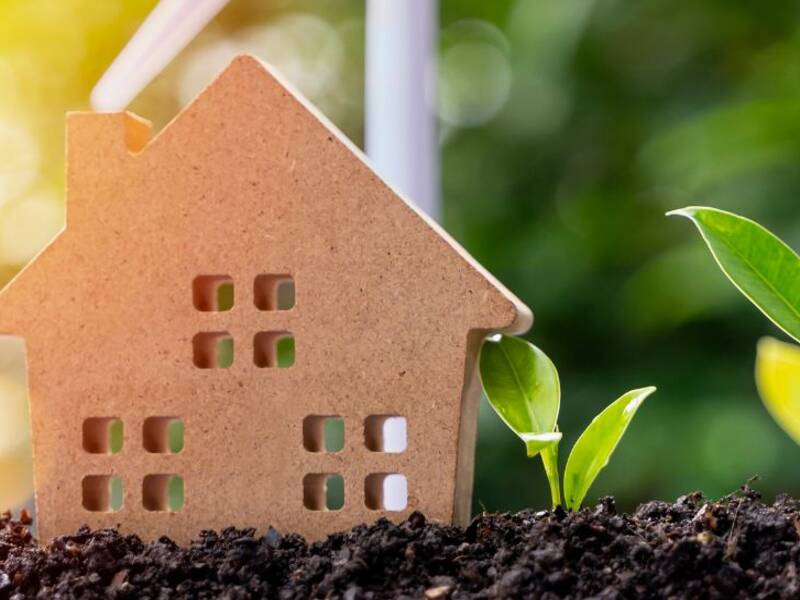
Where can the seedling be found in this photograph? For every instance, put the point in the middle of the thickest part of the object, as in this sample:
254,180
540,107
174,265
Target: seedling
523,388
767,271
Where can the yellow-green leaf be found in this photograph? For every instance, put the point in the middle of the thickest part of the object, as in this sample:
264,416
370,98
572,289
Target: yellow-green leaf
597,443
521,384
550,462
778,379
758,263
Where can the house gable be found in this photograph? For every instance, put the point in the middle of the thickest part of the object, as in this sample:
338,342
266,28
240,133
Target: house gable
253,109
108,151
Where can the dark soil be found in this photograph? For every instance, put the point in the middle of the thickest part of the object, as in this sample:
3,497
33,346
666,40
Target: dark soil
737,547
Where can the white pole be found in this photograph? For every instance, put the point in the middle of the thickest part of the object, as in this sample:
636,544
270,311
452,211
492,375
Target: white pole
401,138
400,124
166,31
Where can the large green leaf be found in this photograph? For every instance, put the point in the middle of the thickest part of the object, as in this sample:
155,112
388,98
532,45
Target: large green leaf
759,264
594,448
522,386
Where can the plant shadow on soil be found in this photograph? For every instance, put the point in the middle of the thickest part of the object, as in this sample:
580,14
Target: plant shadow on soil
737,547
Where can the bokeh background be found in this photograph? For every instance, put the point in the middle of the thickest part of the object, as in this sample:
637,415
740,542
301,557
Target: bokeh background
568,128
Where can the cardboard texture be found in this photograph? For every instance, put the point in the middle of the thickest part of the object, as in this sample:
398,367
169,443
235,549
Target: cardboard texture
249,222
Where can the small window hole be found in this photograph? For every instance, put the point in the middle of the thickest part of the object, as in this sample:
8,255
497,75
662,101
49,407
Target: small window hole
163,435
386,433
273,349
213,293
323,491
323,433
102,435
386,491
102,493
213,350
163,493
274,292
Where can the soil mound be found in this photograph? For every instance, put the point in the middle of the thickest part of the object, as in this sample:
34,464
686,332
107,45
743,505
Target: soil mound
736,547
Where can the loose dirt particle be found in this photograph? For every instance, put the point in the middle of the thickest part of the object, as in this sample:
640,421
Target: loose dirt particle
437,593
734,548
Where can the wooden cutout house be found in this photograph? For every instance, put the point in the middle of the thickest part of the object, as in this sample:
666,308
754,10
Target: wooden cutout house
249,192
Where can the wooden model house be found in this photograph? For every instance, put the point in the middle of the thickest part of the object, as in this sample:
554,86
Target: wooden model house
187,261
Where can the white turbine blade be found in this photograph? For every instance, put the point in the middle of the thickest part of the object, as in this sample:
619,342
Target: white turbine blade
166,31
400,119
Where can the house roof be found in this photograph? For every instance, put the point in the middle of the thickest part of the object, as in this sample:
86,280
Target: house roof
93,128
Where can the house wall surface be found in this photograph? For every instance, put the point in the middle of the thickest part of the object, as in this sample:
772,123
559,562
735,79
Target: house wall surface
245,183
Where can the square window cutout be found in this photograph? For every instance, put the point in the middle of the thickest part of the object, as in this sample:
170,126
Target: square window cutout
212,293
386,433
163,493
102,435
102,493
163,435
323,433
323,491
386,491
273,349
274,292
213,350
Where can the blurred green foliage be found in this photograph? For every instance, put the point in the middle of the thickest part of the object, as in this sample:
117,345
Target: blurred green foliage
662,104
568,129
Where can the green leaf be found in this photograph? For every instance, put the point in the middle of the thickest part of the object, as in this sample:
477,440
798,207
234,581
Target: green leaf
778,378
597,443
758,263
522,386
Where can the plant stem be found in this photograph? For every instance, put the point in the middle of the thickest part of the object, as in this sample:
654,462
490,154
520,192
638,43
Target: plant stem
550,462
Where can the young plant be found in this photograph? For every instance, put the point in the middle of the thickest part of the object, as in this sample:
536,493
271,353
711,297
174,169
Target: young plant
522,386
767,271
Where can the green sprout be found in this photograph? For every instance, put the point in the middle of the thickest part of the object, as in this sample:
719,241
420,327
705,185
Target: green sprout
522,386
767,271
